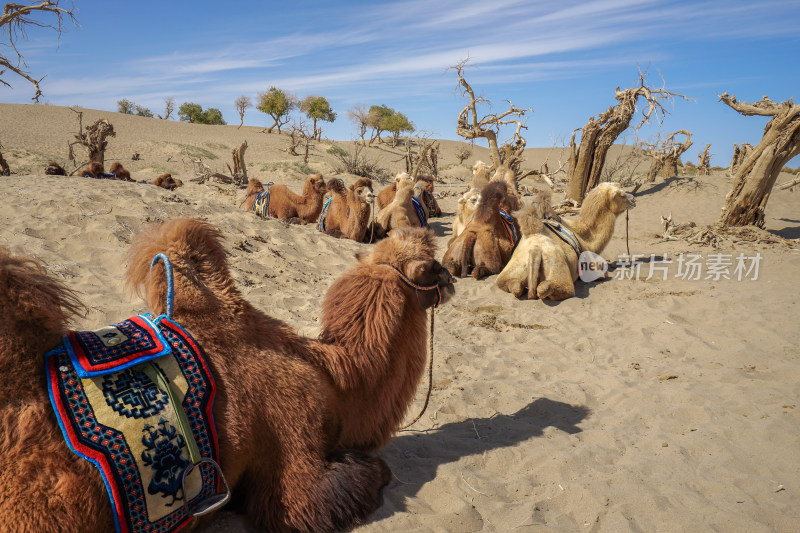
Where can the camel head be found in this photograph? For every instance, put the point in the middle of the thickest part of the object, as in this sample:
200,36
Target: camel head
480,170
412,252
362,190
166,181
610,196
469,202
318,183
94,169
33,306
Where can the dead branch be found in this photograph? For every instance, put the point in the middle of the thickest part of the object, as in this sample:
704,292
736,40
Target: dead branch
93,138
665,155
704,162
239,172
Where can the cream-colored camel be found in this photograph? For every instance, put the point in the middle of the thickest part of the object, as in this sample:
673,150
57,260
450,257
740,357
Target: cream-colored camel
545,263
465,210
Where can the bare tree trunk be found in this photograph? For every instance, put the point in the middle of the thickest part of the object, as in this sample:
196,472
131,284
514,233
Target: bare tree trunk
598,135
666,155
94,138
4,169
704,162
239,166
740,153
756,176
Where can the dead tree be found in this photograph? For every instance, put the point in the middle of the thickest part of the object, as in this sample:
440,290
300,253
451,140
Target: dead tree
241,104
586,161
4,168
169,107
470,127
740,153
239,171
14,21
300,138
704,162
757,174
665,155
93,139
425,160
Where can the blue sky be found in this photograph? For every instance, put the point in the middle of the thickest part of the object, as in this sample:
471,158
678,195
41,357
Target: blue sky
563,59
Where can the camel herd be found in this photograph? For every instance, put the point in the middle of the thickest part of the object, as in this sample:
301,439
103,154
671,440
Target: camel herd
534,252
96,170
298,419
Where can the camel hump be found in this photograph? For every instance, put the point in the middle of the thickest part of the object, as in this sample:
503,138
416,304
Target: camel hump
336,185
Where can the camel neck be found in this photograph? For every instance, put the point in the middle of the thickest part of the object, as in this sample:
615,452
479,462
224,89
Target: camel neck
594,232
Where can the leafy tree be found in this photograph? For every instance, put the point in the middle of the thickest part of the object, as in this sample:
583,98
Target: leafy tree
125,106
375,120
317,108
194,114
190,112
277,104
396,124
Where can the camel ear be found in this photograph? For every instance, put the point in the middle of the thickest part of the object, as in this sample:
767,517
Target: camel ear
416,270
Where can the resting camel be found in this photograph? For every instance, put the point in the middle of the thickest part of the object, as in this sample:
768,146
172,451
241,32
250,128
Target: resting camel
166,181
285,204
297,418
119,171
545,264
54,169
425,182
94,170
347,215
485,245
465,210
400,212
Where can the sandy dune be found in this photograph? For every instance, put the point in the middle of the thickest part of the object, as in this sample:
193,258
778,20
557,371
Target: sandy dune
639,405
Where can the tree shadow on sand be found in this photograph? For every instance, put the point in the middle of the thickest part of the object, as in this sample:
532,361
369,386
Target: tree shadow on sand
421,454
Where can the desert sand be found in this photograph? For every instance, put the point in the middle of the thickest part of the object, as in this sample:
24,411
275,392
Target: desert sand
653,405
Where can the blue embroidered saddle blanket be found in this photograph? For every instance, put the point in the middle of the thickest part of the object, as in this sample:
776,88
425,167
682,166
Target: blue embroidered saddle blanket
113,414
261,202
423,219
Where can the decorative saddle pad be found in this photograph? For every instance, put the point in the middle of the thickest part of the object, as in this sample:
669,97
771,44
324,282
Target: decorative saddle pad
113,414
420,211
261,203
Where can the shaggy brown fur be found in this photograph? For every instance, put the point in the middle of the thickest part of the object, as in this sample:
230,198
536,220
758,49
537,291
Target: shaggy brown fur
166,181
118,170
545,266
348,214
296,417
45,486
54,169
94,169
484,246
285,204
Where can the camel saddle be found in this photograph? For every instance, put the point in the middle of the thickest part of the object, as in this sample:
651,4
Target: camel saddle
261,202
135,399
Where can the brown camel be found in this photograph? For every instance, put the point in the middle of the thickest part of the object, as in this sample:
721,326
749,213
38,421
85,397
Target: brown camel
401,212
285,204
545,264
94,170
296,417
347,216
119,171
166,181
486,244
465,210
54,169
386,196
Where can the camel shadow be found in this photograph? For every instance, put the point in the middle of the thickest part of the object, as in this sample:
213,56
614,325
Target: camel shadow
658,187
787,232
420,454
440,226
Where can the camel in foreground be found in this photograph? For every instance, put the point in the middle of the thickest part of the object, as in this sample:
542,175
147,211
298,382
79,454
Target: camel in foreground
545,264
484,247
285,204
297,418
347,216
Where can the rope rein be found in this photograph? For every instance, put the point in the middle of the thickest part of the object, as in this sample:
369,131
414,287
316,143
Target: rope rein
170,287
430,380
